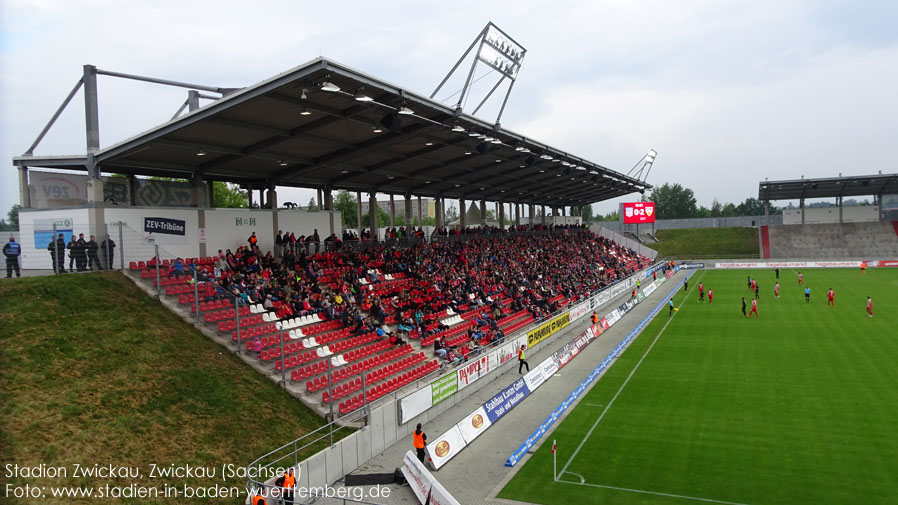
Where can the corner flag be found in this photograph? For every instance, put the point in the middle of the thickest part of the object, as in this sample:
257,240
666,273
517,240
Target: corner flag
553,447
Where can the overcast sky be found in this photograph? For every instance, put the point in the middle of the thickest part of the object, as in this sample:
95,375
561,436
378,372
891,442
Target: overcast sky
728,93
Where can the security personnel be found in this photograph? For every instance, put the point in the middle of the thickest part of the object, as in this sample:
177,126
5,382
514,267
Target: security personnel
12,250
53,256
92,258
289,484
595,317
258,500
72,246
81,253
521,362
60,253
419,440
107,249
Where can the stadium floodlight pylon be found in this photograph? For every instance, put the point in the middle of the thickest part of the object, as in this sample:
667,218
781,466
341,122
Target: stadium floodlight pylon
497,51
643,167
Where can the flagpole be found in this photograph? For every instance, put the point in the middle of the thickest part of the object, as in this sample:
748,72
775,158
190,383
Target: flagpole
554,463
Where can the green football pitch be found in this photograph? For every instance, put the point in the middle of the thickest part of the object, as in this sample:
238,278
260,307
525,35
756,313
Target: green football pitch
798,405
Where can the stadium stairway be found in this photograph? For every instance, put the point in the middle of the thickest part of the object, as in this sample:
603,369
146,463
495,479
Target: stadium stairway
309,345
870,241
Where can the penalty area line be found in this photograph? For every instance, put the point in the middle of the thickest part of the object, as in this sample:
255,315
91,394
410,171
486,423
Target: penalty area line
656,493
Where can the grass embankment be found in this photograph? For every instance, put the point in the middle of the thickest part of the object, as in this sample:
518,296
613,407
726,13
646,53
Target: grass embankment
704,242
94,371
797,406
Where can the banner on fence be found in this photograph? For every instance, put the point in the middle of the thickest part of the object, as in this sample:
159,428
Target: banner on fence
164,231
423,484
474,424
446,447
415,403
505,400
444,387
548,328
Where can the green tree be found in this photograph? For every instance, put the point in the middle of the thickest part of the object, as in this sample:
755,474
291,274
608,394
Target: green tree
312,207
229,196
586,213
611,216
346,203
451,213
673,201
13,215
750,207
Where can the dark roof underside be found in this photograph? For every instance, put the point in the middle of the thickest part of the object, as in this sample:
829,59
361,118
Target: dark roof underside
259,135
829,188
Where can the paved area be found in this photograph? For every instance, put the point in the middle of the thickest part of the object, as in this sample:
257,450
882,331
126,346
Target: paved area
477,473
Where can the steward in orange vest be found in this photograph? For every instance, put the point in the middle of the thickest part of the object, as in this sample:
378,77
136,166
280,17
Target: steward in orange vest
419,440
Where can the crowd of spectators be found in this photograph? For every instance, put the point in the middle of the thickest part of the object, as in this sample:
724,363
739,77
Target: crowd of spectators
527,269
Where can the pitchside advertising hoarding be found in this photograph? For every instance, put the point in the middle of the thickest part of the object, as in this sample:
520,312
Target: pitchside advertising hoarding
637,212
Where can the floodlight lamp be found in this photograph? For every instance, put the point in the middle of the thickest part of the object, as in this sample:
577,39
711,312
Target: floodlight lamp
201,153
360,96
496,141
329,86
457,128
428,143
282,163
305,111
545,157
472,133
344,171
376,129
488,139
519,148
405,111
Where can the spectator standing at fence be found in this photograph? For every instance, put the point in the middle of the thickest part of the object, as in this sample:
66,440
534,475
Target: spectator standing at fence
317,240
521,361
252,240
107,249
12,250
279,244
93,259
419,441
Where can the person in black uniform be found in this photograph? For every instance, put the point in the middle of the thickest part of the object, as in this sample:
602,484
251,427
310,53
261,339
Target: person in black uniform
93,259
12,250
72,246
81,253
53,256
107,249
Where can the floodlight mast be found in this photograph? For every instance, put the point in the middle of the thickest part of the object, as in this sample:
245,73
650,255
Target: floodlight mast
496,50
643,167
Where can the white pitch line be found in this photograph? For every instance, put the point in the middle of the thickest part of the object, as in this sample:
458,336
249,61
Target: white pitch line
605,411
656,493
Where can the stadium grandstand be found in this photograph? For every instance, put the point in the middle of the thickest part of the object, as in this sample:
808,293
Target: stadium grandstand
836,232
349,323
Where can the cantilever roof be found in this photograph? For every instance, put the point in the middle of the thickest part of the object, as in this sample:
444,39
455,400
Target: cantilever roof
829,187
259,135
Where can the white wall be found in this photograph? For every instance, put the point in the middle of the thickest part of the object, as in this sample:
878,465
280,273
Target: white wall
36,256
133,247
859,214
229,229
301,222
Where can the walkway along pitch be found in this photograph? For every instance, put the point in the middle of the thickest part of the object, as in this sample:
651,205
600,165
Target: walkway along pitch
478,472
